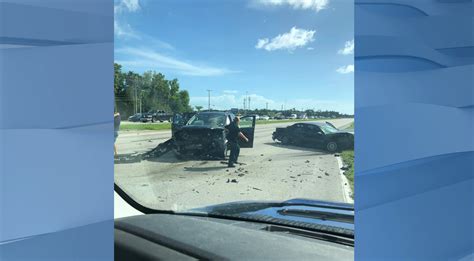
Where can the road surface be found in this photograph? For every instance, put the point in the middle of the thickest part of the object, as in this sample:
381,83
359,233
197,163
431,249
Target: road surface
270,172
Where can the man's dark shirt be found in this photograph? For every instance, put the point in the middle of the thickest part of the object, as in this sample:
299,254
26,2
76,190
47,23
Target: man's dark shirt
233,134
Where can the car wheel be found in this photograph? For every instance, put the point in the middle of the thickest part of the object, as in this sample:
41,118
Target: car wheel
285,140
331,146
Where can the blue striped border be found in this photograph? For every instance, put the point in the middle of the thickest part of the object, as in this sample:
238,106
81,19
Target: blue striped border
414,182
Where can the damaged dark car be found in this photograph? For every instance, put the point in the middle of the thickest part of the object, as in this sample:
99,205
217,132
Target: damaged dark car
204,134
321,135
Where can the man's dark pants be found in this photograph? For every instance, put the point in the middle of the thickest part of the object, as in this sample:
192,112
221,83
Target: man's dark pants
234,152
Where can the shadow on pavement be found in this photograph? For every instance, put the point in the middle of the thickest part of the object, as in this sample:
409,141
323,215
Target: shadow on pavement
204,169
300,148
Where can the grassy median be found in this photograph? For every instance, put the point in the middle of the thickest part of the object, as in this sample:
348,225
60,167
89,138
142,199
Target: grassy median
348,159
145,126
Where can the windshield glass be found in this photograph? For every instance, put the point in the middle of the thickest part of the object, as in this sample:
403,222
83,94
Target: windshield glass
328,129
213,120
225,80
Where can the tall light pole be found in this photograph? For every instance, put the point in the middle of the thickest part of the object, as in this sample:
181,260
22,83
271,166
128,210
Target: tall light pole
209,100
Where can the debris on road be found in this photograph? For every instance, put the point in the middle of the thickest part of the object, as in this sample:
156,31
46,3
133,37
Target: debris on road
269,159
234,181
319,177
307,161
337,155
325,173
256,189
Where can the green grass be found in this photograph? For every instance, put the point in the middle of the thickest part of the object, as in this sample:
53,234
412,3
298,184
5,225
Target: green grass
145,126
348,159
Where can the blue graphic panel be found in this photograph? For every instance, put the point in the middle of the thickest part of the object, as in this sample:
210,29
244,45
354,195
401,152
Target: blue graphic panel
56,106
414,97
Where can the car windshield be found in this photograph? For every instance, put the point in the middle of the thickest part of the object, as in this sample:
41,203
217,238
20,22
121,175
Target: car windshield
327,129
221,92
212,120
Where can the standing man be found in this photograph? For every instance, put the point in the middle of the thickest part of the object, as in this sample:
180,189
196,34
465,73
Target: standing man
116,130
233,134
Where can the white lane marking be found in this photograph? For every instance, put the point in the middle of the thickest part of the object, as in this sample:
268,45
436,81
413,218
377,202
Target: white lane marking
346,188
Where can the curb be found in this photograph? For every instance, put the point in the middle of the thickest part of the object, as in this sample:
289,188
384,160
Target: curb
346,189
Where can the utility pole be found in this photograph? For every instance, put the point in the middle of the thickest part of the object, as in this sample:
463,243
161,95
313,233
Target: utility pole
249,102
246,98
209,100
136,99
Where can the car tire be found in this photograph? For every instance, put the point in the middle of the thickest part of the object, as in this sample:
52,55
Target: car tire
331,146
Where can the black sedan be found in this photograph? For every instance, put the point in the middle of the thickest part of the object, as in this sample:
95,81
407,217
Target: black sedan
315,134
135,118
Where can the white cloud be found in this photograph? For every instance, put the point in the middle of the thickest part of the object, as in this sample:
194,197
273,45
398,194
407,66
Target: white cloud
228,101
124,31
346,69
348,48
316,5
261,43
152,60
310,48
127,6
230,91
295,38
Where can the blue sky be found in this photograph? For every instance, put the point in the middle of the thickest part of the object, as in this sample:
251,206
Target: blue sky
291,53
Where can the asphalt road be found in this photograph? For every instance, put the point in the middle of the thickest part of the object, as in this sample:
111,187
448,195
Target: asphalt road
270,172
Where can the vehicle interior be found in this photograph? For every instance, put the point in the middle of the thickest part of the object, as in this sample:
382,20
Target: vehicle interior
169,236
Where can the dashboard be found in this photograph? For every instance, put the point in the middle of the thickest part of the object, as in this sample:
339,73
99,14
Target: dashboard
187,237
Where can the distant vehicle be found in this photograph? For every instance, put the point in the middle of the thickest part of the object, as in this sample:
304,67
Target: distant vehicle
257,117
204,134
315,134
293,116
156,115
160,115
279,117
235,111
264,117
135,117
302,116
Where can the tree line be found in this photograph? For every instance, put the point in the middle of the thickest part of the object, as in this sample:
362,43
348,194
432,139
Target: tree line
309,113
148,91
